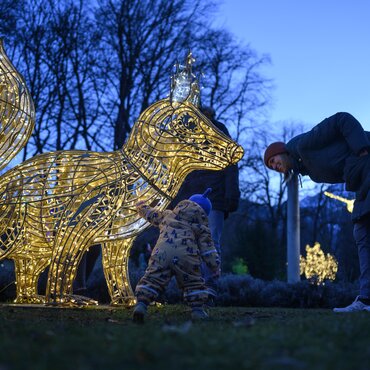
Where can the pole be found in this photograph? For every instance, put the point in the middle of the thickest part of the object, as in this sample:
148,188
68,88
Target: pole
293,231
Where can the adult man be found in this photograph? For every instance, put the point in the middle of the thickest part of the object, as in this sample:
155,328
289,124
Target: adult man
224,196
335,151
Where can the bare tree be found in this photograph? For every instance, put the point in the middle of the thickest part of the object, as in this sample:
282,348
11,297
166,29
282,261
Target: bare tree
93,70
316,213
84,83
9,9
29,43
57,50
77,116
233,82
143,38
263,186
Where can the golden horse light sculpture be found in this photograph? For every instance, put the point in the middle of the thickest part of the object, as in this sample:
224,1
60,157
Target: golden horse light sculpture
54,206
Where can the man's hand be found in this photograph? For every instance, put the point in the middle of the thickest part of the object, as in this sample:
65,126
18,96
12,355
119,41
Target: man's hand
216,273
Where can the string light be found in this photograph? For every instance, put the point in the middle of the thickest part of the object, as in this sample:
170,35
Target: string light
17,113
349,202
56,205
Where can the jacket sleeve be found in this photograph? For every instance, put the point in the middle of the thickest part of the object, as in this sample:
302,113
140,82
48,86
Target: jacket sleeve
231,173
232,192
207,249
332,128
152,215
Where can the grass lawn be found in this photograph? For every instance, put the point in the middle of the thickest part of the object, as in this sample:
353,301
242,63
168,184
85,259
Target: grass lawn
233,338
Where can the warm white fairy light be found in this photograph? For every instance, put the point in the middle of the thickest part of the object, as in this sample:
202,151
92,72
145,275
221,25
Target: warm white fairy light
317,266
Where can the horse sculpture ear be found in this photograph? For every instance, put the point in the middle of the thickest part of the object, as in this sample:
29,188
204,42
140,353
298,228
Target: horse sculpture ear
184,84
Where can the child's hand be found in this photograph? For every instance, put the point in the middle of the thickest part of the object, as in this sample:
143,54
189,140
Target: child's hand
216,273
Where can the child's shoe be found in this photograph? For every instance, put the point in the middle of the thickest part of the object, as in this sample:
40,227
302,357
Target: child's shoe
197,313
139,313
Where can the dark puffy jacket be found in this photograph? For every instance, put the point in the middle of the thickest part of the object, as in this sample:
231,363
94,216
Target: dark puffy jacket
330,153
224,183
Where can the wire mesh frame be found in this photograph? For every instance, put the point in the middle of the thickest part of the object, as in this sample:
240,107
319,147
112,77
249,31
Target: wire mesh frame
56,205
17,113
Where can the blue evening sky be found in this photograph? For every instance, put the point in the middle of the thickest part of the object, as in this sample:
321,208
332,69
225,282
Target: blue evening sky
320,51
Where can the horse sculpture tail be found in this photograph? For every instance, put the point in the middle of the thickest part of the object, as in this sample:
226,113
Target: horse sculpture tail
17,112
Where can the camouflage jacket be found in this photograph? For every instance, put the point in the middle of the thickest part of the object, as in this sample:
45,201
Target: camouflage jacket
185,227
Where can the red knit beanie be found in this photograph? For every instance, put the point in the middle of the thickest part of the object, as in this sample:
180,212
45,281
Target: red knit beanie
274,149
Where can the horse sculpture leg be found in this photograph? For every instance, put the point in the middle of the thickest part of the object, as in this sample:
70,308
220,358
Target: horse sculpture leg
115,255
67,254
27,272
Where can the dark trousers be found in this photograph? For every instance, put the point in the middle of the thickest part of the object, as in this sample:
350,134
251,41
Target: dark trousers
361,233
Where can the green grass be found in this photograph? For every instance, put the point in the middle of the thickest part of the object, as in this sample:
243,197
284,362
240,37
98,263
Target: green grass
234,337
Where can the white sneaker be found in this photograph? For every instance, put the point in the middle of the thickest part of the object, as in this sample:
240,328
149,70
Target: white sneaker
355,306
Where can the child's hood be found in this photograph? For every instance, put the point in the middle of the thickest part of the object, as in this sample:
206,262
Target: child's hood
190,211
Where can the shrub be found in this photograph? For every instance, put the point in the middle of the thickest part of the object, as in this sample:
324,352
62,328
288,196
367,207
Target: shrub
239,267
234,290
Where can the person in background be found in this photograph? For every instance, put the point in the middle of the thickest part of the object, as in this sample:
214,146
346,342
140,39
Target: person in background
144,256
184,241
335,151
85,269
224,197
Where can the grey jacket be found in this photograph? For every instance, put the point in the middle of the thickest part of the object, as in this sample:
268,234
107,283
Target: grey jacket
329,153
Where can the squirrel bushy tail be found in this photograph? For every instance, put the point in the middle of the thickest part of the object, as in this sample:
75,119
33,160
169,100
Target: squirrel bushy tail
17,111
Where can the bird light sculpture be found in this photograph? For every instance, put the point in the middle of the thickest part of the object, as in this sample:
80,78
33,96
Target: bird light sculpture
54,206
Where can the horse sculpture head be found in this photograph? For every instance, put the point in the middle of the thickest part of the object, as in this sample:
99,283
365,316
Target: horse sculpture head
173,137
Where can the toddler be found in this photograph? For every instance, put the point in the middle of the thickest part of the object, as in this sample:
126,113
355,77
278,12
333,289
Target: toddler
184,241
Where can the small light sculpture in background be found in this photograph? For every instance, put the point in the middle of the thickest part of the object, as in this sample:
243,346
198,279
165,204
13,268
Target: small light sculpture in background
318,267
54,206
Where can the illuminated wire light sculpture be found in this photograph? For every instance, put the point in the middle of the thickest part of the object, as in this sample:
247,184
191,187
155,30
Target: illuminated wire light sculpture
56,205
348,202
318,267
17,113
